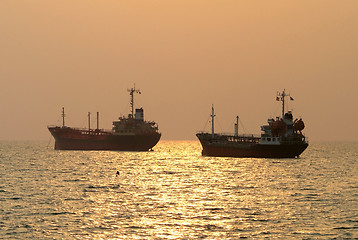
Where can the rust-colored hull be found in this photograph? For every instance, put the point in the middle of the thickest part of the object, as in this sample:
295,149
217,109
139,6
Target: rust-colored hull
73,139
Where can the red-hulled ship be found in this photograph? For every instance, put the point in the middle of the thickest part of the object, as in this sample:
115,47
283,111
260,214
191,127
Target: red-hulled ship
130,133
281,138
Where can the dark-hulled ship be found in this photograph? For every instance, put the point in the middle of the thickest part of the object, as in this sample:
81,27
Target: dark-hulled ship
281,138
130,133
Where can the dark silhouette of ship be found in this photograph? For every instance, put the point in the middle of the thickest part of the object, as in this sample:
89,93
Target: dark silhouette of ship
281,138
130,133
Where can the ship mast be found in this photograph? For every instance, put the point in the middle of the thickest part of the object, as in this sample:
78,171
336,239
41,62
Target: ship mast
212,121
89,122
97,120
237,126
63,117
281,97
131,92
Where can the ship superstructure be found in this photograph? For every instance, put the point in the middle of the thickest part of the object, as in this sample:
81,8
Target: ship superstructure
130,133
280,138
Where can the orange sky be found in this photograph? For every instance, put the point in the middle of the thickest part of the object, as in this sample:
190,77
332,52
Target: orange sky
184,56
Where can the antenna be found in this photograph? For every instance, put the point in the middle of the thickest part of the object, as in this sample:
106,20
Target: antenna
131,93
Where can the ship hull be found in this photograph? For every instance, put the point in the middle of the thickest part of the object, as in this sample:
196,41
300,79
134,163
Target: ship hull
251,150
138,142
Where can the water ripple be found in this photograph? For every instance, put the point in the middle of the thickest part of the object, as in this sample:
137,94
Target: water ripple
176,193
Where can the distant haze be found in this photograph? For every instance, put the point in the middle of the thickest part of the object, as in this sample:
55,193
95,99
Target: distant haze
184,56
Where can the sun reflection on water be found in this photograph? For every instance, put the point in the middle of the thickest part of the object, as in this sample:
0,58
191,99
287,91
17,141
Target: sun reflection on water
174,192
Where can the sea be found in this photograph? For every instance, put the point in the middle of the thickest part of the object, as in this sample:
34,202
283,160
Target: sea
175,193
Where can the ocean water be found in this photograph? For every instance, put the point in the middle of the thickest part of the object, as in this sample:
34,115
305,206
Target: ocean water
175,193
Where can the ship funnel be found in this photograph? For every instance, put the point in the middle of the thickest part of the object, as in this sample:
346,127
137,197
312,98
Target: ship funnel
139,114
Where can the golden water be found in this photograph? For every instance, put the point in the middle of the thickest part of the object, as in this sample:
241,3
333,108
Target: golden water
175,193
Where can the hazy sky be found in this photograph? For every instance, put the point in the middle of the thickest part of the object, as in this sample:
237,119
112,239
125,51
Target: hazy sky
184,55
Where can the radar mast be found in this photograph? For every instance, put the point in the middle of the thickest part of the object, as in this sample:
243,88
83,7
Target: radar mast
131,93
281,97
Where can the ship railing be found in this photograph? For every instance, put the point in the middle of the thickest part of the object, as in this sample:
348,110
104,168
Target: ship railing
244,138
247,136
95,132
204,132
229,137
294,140
232,135
83,130
52,126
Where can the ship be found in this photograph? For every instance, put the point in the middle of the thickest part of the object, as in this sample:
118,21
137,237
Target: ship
280,138
131,133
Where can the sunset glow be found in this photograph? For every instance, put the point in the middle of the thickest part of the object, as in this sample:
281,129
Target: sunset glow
185,56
